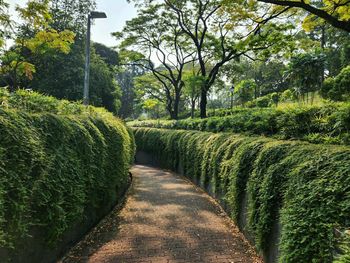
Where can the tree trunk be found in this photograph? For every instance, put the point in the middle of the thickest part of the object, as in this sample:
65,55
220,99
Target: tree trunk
176,108
323,44
169,108
193,105
203,104
173,115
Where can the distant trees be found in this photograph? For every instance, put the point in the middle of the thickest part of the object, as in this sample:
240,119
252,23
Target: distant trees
157,35
192,91
109,55
244,91
306,72
219,36
48,53
126,77
209,32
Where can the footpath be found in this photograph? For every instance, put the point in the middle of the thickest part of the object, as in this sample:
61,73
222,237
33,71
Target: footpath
167,219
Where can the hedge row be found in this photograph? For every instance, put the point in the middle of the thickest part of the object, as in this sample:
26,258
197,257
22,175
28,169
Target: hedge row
317,124
54,168
303,186
34,102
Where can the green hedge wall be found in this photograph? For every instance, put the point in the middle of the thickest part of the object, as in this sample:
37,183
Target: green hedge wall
303,186
318,124
56,167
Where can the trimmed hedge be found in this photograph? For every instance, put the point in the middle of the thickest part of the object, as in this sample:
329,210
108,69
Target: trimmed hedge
55,169
318,124
304,187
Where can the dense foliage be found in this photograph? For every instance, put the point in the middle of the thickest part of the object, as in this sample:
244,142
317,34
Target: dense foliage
319,124
338,88
303,186
57,159
48,55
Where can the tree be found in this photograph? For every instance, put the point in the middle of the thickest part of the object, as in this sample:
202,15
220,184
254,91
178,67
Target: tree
193,84
109,55
306,71
152,106
268,74
156,33
244,91
221,33
33,38
148,87
62,75
125,77
71,15
219,37
337,88
5,23
335,12
104,91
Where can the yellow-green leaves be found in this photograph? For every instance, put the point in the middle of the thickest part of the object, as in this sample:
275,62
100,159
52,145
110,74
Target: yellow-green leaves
36,13
127,56
51,39
36,19
150,104
338,7
4,22
25,68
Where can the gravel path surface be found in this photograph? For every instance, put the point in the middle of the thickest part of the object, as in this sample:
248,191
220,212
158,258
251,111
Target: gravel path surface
165,219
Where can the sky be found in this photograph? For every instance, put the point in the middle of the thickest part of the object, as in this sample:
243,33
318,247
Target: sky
118,12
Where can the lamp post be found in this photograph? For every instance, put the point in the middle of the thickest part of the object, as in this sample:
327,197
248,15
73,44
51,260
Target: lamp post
92,15
232,89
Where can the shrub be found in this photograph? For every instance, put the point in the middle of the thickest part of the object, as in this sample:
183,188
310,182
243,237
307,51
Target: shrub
303,186
263,102
245,91
337,88
288,95
318,124
275,97
56,167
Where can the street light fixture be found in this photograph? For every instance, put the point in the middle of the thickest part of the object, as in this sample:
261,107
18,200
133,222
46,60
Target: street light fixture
92,15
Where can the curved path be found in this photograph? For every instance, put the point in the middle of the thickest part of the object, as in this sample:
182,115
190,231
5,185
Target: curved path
165,219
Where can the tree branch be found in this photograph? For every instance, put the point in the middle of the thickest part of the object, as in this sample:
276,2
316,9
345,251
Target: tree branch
334,21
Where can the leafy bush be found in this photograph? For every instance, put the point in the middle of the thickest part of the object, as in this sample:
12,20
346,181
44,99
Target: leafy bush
318,124
303,186
53,167
34,102
245,91
337,88
263,102
288,95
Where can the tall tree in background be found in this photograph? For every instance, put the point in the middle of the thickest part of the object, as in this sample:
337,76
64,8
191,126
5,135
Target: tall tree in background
71,15
220,33
156,33
125,77
109,55
306,71
218,37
